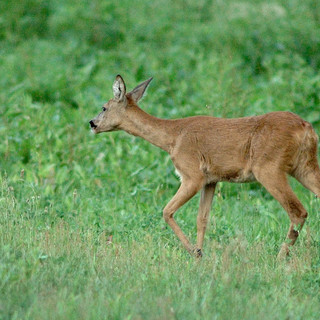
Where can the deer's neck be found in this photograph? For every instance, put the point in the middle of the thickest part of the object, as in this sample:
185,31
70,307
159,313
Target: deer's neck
157,131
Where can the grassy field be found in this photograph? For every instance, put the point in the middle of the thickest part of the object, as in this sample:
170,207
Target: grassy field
81,228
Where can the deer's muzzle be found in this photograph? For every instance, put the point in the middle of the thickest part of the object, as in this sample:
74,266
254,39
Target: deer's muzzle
93,126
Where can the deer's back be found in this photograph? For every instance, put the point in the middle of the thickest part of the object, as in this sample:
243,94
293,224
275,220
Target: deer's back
228,149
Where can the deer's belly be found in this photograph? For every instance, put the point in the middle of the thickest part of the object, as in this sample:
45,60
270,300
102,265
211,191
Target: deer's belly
231,175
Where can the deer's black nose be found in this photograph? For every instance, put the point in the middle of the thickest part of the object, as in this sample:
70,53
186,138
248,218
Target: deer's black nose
92,124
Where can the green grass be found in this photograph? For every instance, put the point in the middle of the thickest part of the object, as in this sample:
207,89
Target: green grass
64,191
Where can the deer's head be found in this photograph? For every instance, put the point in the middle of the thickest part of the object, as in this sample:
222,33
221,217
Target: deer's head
113,112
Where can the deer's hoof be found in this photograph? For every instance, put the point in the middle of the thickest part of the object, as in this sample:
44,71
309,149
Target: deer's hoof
284,252
198,253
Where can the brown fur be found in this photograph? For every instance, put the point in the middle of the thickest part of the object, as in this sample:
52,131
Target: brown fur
206,150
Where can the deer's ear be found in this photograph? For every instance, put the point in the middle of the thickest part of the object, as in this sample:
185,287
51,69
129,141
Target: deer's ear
119,88
138,92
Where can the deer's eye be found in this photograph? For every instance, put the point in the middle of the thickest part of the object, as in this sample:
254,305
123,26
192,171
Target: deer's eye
104,109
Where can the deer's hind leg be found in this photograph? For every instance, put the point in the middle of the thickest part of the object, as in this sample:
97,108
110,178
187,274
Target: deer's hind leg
275,181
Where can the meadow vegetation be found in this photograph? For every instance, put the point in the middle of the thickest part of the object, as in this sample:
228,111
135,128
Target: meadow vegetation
81,228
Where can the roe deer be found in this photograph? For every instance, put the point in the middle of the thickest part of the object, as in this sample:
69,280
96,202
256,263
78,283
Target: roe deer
206,150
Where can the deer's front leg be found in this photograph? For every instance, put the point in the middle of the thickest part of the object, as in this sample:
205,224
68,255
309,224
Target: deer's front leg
207,193
187,190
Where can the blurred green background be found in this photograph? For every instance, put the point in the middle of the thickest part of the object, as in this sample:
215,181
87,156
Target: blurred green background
64,192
